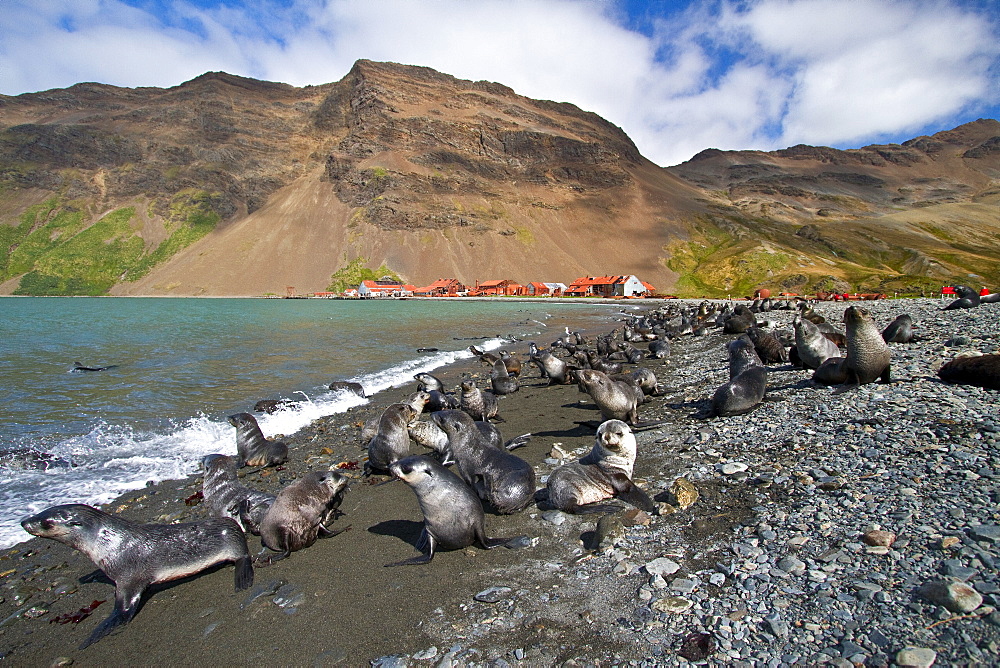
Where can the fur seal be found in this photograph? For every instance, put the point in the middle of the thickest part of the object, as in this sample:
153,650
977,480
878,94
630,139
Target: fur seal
747,381
767,345
811,346
135,556
300,514
512,363
252,448
501,380
644,379
617,400
453,514
224,493
979,370
348,386
899,330
604,473
271,406
868,356
82,368
479,404
27,459
392,440
439,399
431,436
497,476
659,349
550,366
967,298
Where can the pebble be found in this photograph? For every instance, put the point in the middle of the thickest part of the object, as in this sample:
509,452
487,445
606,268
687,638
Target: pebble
493,594
955,596
673,604
662,567
732,468
916,657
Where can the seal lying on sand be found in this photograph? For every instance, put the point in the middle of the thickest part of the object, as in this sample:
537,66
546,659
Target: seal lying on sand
135,556
604,473
300,514
899,330
497,476
224,493
252,449
453,514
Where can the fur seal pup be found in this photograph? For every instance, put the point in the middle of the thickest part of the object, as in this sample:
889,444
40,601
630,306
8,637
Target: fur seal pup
453,514
767,345
644,379
252,449
300,514
659,349
392,440
504,480
868,356
550,366
501,380
512,363
348,386
485,358
899,330
979,370
479,404
429,435
991,298
747,381
135,556
271,406
811,346
605,472
224,493
439,399
616,399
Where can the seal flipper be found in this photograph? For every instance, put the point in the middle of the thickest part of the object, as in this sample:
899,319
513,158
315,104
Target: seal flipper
244,573
425,544
628,491
126,605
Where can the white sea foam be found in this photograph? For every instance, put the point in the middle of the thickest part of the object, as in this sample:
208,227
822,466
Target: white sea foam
112,460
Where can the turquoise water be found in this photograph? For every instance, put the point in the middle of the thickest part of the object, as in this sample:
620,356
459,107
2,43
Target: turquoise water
182,365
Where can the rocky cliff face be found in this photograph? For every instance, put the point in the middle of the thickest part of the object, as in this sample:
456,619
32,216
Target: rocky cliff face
227,185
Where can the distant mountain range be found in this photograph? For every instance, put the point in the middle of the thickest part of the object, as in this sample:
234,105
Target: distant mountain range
230,186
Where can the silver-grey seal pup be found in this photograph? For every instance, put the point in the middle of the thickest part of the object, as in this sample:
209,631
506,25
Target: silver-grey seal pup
453,514
135,556
392,441
224,493
301,513
606,472
252,449
505,480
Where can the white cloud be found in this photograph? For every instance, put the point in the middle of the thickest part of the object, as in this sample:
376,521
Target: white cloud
726,74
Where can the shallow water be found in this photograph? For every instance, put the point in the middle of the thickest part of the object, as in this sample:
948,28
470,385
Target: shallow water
178,367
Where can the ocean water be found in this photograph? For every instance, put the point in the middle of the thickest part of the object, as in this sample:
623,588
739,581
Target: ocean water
178,367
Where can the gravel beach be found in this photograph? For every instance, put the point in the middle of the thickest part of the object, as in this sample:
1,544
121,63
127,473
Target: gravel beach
845,529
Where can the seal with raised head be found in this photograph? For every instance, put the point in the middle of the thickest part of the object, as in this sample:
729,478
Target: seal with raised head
501,380
868,356
606,472
979,370
252,449
550,366
767,345
747,381
480,404
224,493
392,440
431,436
439,399
301,513
617,400
967,298
135,556
512,363
811,346
504,480
453,514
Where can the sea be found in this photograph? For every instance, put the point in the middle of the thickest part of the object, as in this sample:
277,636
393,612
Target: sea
175,368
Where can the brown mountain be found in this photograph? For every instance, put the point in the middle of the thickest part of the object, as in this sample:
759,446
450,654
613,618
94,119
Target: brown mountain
231,186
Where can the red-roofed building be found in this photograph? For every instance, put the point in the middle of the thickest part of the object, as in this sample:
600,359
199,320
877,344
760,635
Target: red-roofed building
608,286
442,287
369,289
546,289
502,288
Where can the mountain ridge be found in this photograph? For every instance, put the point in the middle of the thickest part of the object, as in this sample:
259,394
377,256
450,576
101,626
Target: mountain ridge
225,185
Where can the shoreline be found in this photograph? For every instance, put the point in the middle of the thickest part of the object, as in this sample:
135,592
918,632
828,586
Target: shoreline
337,605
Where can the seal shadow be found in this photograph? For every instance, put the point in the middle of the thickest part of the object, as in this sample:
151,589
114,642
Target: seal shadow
406,530
576,430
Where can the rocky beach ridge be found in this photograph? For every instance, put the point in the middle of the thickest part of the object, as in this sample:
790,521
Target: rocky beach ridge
854,528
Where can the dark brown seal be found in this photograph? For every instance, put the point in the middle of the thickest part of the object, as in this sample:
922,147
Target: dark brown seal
979,370
135,556
899,330
301,513
252,449
747,381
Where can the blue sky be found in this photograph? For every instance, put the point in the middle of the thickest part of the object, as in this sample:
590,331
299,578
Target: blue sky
677,76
